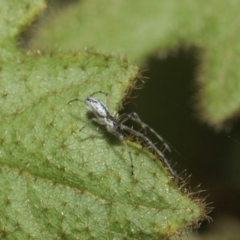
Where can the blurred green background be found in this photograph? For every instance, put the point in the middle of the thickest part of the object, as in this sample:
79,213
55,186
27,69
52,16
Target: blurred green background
188,55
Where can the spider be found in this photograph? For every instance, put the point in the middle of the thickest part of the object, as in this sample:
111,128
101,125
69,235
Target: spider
116,126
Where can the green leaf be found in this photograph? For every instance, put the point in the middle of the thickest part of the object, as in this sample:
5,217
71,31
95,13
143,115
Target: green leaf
57,182
139,29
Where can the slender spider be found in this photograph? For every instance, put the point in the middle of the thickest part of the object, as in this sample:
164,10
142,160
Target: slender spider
117,127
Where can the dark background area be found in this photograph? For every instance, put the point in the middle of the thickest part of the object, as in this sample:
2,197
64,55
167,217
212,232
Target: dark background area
167,103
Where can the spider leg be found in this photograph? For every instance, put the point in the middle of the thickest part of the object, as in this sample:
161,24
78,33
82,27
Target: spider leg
128,150
120,137
152,145
76,99
106,94
134,117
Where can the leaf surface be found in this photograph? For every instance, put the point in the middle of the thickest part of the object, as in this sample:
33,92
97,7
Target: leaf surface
57,182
